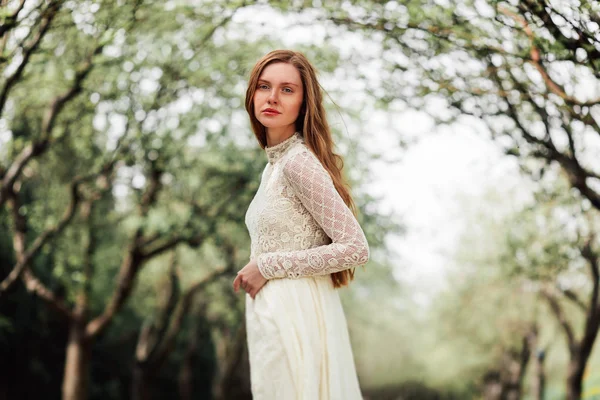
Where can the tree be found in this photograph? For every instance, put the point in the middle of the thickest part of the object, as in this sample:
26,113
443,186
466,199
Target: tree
554,247
116,80
525,271
127,151
525,67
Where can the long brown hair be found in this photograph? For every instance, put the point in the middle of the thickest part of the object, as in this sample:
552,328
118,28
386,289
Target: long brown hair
311,123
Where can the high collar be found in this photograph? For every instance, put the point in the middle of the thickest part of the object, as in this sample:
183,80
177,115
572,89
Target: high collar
274,153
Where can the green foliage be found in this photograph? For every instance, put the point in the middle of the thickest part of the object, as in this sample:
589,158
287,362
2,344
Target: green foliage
508,256
153,89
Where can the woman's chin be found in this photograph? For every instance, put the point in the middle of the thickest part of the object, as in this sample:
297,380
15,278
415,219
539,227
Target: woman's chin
272,124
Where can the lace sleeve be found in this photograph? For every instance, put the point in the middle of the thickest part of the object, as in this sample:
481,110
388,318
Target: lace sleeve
313,185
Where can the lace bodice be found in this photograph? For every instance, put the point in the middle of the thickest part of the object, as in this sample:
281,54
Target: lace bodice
298,223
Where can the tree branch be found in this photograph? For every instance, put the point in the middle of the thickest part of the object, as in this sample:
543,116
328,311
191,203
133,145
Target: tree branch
89,248
40,12
592,322
153,333
41,145
19,244
50,233
129,267
537,63
48,16
572,296
170,243
133,261
576,173
10,21
181,311
34,285
562,319
540,11
592,260
25,257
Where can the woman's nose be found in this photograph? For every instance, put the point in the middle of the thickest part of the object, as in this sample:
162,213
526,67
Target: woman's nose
273,96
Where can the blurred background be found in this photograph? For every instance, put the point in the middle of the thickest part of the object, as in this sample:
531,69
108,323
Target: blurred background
471,136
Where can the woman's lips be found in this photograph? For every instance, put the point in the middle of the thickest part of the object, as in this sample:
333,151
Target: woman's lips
270,111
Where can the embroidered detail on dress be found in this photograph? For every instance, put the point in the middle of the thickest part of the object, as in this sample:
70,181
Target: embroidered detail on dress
313,232
274,153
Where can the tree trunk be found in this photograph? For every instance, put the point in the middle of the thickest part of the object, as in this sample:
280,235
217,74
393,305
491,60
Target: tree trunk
512,384
539,381
77,364
575,377
492,386
141,386
516,367
232,380
186,374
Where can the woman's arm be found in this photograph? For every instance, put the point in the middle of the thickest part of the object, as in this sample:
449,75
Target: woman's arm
349,248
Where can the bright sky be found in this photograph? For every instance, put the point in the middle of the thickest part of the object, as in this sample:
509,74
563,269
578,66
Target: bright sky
426,188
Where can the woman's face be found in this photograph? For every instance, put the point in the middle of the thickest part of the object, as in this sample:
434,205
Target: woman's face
278,97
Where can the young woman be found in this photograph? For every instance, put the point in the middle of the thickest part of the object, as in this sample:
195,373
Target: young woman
305,242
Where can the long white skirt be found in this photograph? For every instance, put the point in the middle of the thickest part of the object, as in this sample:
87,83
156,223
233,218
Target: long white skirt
298,342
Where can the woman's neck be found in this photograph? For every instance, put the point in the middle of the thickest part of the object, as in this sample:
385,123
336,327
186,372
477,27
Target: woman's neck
278,135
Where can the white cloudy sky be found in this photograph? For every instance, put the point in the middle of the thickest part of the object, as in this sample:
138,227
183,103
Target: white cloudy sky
427,188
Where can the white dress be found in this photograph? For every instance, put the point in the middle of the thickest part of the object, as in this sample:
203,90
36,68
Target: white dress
301,231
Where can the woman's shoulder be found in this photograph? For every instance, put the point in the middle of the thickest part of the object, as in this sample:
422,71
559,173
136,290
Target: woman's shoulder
301,160
297,154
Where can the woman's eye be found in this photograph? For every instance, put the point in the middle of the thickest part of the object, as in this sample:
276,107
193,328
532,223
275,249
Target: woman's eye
287,90
263,86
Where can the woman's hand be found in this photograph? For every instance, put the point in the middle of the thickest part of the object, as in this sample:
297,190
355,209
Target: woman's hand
250,279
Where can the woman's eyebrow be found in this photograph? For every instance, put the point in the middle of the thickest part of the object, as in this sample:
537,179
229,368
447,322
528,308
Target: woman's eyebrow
283,83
